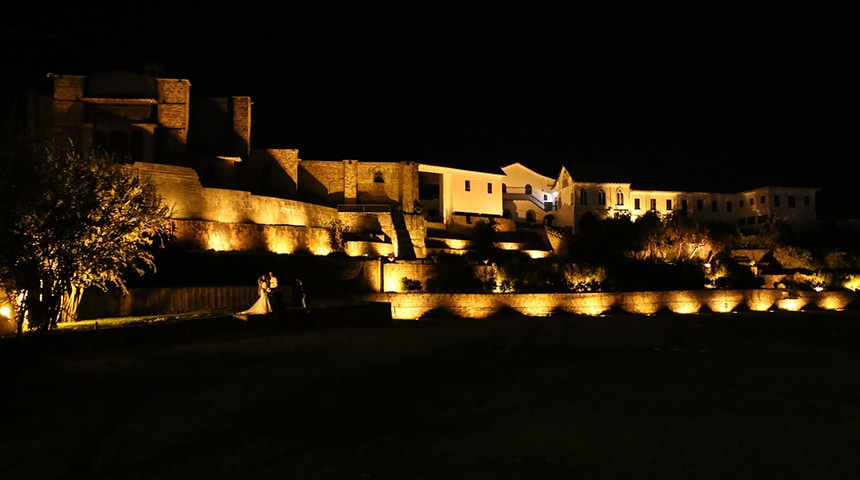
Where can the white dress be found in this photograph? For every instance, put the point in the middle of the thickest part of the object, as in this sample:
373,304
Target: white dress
261,307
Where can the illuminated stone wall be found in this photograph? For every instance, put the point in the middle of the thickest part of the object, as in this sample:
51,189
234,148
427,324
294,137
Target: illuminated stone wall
173,109
352,181
243,237
272,172
218,219
414,306
321,181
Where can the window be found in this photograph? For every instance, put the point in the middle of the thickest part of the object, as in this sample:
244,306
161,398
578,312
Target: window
653,204
377,177
468,186
728,206
583,197
762,200
528,189
668,204
636,204
619,197
564,182
752,201
776,200
713,205
601,197
806,200
530,217
741,203
684,205
700,205
791,203
489,188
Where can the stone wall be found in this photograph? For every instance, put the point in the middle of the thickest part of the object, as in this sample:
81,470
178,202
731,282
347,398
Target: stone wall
413,306
173,110
220,219
248,237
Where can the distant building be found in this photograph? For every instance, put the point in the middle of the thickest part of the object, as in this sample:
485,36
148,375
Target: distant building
227,195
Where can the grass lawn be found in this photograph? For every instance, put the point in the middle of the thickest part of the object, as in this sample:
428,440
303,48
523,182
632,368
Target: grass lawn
724,397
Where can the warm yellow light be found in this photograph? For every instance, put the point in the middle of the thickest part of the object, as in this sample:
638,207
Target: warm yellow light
217,241
683,302
852,283
834,300
457,244
5,311
791,304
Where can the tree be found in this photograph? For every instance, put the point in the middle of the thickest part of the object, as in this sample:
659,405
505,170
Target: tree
689,240
68,222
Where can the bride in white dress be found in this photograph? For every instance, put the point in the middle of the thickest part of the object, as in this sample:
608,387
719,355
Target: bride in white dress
262,306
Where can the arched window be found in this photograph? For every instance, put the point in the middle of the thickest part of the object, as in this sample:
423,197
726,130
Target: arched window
583,197
601,197
530,217
619,197
377,177
544,197
528,189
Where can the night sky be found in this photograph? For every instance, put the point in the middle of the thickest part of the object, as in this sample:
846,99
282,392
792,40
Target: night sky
700,100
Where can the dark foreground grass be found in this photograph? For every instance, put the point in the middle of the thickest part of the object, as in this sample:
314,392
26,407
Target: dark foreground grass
714,400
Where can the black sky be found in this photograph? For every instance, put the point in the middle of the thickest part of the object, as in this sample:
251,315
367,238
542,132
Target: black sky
700,99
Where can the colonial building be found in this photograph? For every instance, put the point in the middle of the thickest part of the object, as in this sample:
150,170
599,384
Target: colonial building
226,195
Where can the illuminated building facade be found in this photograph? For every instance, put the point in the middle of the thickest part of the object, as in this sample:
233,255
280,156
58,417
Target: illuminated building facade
199,153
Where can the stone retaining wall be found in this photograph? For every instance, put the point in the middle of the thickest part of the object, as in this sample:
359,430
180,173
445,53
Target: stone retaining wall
414,306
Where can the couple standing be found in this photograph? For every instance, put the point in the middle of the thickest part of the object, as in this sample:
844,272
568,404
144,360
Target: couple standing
269,296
